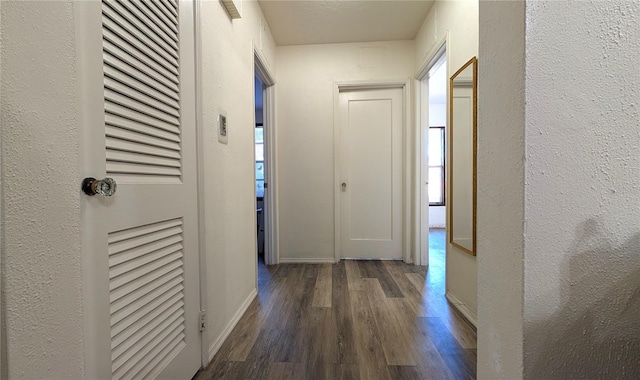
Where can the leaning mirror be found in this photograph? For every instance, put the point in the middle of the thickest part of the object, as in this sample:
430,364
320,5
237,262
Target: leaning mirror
462,157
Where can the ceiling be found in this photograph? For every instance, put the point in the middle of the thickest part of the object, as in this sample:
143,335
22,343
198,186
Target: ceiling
301,22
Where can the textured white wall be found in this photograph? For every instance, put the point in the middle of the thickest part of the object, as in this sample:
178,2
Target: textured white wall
582,192
500,228
305,90
460,19
230,204
42,278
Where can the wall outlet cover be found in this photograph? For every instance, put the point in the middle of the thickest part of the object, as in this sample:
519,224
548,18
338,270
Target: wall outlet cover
223,128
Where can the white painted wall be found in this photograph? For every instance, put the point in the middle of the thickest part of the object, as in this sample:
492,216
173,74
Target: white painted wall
437,217
438,114
42,277
582,197
306,78
458,18
500,228
228,84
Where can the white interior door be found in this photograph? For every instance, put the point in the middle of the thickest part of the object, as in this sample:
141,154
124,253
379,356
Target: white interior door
371,194
140,245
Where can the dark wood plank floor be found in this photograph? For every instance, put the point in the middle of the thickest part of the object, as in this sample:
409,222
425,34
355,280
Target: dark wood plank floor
352,320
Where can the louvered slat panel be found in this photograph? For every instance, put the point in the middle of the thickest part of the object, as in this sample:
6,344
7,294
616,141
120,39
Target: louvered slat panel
151,318
127,157
132,34
130,233
132,125
119,58
137,158
160,23
137,147
138,179
132,351
146,283
144,259
127,291
132,90
155,298
142,169
142,27
124,297
138,117
141,90
149,25
166,7
140,106
135,49
155,8
123,280
161,354
153,369
167,243
140,81
174,4
128,135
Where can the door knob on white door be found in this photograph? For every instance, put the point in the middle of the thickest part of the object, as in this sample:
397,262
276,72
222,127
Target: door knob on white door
105,187
344,186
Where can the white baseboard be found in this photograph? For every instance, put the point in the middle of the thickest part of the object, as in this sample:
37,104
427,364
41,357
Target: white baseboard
213,349
462,308
303,260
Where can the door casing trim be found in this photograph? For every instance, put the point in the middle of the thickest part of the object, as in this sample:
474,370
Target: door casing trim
421,220
266,76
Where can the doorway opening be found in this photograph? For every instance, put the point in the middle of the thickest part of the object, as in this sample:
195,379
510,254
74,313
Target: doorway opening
432,173
260,167
436,163
264,167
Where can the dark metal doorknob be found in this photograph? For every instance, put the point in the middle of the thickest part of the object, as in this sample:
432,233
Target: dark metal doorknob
105,187
344,186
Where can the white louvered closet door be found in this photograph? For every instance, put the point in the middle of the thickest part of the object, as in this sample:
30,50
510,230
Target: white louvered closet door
136,65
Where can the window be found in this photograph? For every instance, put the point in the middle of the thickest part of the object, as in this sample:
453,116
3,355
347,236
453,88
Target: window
259,161
436,166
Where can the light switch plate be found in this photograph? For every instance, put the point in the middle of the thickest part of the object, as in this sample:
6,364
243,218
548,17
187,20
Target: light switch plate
223,128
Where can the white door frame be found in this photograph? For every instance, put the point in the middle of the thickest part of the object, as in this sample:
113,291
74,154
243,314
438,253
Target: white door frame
204,336
405,85
270,205
421,208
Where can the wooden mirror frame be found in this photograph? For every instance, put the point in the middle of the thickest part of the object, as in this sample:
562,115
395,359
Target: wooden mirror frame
474,62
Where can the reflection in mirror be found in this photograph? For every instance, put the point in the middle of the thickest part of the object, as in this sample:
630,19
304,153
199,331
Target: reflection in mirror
462,150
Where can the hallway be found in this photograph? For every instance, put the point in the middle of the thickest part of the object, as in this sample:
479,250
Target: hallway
352,320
